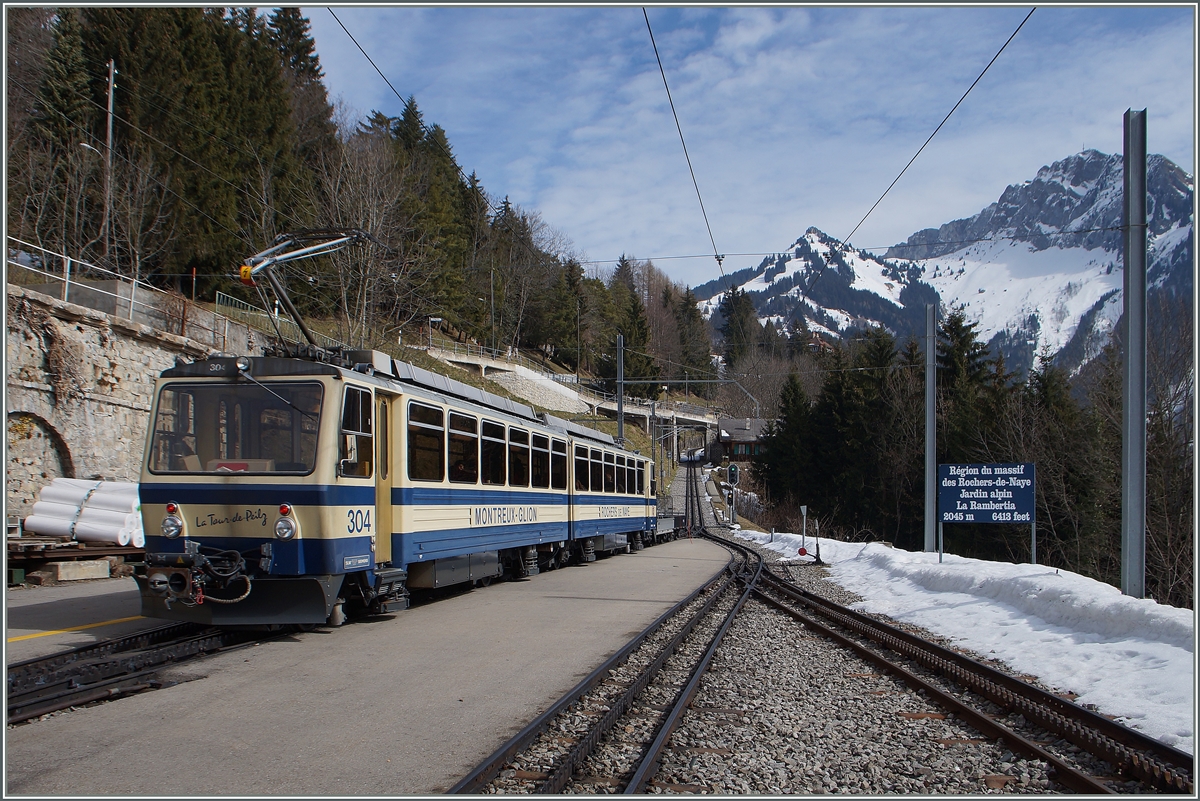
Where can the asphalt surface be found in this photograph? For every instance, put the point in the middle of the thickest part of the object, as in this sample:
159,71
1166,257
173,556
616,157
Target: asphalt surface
402,704
49,619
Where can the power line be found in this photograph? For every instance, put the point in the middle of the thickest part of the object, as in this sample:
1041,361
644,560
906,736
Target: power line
716,254
846,239
537,256
869,249
399,97
147,174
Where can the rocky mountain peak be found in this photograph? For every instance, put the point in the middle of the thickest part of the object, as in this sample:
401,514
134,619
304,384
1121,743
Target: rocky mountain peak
1074,202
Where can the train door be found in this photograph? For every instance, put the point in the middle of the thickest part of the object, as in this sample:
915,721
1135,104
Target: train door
383,479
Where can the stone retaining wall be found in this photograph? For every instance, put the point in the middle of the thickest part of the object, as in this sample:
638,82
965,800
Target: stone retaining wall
79,386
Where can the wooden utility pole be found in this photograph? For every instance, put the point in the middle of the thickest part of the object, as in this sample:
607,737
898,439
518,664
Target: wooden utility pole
112,72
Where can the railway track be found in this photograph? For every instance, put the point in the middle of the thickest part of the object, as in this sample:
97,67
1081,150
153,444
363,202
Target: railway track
609,733
112,668
993,694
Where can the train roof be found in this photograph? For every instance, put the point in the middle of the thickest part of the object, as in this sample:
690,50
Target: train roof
373,363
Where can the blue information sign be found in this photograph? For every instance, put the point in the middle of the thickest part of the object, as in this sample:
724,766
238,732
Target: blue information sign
986,493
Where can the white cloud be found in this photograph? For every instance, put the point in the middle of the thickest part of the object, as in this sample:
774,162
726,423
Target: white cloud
793,116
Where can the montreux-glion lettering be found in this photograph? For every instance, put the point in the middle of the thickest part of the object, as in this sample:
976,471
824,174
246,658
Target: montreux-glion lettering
499,515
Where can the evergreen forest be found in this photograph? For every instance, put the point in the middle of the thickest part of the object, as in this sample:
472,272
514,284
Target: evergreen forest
224,136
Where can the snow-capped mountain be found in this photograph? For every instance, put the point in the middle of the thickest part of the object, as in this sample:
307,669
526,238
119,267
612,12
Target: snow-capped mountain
1039,270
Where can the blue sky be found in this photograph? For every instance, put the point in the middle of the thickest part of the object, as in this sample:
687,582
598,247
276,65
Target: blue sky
794,116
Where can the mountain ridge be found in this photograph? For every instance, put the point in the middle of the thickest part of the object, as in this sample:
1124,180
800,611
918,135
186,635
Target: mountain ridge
1039,269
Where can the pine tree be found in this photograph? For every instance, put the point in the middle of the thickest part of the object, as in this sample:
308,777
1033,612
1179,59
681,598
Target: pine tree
64,201
410,128
639,364
30,35
260,125
782,465
312,115
65,113
740,327
290,36
695,348
963,366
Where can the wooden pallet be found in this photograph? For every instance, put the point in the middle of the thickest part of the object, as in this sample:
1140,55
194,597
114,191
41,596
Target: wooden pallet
57,548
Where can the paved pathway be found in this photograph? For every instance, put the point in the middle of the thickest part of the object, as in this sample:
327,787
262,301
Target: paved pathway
402,704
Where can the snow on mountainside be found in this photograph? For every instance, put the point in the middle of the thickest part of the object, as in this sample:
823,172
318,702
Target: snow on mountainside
1039,270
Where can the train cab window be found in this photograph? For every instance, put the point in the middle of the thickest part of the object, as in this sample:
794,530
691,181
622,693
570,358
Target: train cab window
539,465
581,469
224,428
621,475
464,449
558,465
355,444
597,471
518,458
610,475
492,449
641,478
426,442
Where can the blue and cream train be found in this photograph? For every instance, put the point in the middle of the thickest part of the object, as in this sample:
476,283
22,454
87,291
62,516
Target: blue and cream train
281,490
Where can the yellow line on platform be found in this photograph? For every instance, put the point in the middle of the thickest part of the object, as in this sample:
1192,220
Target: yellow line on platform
74,628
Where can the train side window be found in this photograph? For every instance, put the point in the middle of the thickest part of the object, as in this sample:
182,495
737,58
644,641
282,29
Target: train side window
610,476
492,447
518,458
539,465
426,437
597,471
464,449
558,465
622,486
355,444
630,476
581,469
641,478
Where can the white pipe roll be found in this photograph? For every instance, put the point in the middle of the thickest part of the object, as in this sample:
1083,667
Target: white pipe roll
48,526
113,502
93,532
60,494
60,510
137,538
116,488
107,519
85,484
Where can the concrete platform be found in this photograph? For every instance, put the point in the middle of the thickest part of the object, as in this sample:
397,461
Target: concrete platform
403,704
49,619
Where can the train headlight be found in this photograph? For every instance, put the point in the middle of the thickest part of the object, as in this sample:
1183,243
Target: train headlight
285,528
172,527
242,364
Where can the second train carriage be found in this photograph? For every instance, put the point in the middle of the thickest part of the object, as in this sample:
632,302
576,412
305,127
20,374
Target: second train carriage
282,490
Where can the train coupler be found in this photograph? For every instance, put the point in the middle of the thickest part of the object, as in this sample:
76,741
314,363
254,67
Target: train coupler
390,594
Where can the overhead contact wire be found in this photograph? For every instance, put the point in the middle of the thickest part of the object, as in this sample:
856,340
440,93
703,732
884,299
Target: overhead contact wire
846,240
940,124
716,254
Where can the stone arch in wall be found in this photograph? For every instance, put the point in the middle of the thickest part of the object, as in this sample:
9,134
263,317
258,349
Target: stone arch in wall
37,454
